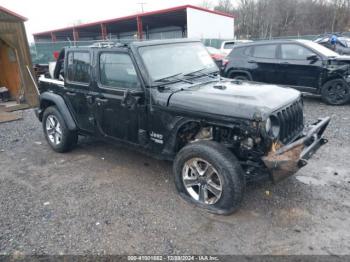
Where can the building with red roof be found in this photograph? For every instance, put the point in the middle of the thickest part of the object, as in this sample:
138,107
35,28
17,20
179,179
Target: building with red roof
177,22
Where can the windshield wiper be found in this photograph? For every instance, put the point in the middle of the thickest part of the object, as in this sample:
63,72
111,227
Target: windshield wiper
167,79
199,71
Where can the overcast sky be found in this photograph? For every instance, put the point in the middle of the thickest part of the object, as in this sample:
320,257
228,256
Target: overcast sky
45,15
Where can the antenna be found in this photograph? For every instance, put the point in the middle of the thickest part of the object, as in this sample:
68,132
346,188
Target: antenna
141,5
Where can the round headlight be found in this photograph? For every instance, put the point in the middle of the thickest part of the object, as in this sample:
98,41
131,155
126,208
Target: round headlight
272,126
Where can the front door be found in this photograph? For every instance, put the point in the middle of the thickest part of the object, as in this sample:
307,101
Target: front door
298,70
120,109
77,88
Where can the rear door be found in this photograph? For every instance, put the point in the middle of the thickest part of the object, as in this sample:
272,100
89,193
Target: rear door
264,65
120,108
77,88
297,69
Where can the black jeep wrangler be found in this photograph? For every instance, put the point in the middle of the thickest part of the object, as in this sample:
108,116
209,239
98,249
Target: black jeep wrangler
167,99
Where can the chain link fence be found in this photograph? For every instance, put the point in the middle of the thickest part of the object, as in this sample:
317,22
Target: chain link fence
43,52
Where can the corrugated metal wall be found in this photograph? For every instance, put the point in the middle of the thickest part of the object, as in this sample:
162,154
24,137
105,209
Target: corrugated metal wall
165,33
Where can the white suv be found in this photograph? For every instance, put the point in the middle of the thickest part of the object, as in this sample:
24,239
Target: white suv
227,46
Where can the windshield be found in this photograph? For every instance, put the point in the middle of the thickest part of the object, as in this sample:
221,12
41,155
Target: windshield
168,60
320,48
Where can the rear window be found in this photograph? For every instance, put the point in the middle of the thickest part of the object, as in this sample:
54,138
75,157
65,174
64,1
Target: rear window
229,45
78,67
239,51
265,51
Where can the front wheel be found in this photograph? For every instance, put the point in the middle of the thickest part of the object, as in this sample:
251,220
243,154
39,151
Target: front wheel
57,134
336,92
208,175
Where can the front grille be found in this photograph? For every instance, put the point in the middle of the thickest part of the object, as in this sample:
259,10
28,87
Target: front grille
291,121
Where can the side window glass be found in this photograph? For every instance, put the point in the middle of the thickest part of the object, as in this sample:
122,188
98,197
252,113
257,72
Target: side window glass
265,51
248,51
295,52
78,67
118,71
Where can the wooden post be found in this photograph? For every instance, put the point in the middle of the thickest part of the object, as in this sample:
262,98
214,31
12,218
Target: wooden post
53,37
104,31
75,35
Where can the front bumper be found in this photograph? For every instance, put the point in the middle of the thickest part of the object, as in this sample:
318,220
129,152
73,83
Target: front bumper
288,159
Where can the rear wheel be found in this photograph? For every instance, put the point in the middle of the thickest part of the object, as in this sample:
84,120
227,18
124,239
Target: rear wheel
208,175
59,137
336,92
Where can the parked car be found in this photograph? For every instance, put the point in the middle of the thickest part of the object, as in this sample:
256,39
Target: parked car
227,46
40,69
219,133
301,64
218,56
341,45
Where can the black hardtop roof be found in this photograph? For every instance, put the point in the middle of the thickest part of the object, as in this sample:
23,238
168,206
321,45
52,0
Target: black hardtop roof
132,44
163,42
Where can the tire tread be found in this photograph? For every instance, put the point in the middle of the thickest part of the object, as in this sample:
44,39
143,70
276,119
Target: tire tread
228,163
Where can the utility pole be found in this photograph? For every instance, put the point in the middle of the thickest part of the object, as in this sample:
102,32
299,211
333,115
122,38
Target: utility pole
142,4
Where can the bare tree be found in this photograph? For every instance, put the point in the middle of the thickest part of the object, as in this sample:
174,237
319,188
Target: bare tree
224,6
207,4
275,18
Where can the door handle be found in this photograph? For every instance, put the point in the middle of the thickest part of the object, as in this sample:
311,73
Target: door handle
101,101
251,61
71,93
284,63
89,99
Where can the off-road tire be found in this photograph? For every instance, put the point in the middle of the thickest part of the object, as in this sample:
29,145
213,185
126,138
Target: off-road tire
332,96
227,166
69,138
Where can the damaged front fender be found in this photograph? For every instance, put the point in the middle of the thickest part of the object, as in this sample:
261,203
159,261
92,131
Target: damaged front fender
284,161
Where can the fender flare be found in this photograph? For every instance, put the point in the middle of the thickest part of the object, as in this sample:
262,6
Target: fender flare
170,146
171,143
58,101
240,72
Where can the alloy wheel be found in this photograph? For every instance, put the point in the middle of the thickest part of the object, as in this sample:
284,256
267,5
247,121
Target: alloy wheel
202,181
53,130
337,92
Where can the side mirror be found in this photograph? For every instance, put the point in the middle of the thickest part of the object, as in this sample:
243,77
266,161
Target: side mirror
131,98
312,58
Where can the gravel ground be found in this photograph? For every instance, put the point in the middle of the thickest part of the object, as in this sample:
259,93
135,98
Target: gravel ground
104,199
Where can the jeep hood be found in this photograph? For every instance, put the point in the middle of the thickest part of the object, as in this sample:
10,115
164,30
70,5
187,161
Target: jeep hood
345,58
233,99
